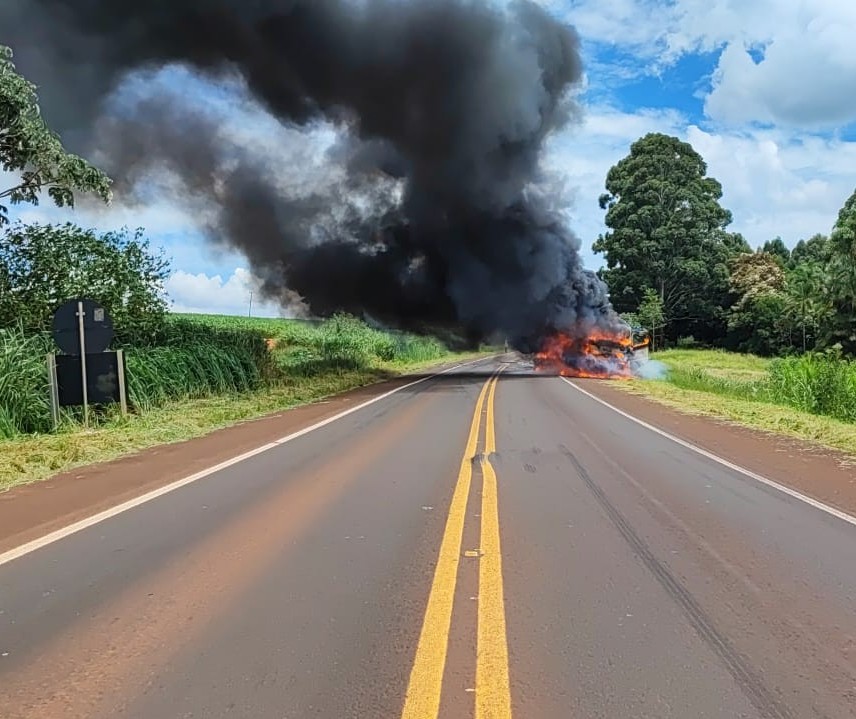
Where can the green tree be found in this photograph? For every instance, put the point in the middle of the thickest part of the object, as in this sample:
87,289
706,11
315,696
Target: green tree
32,152
841,327
778,249
756,319
650,313
806,303
816,249
760,326
41,266
667,232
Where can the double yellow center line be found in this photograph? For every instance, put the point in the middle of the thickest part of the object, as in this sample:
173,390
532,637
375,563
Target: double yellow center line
492,693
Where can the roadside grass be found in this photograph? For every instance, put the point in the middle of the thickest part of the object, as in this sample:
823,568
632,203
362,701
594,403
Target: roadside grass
793,396
717,363
723,373
29,458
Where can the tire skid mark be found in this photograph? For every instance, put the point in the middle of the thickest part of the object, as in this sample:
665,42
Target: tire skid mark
764,701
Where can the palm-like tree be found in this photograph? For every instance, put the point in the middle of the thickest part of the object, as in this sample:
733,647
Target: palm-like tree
807,301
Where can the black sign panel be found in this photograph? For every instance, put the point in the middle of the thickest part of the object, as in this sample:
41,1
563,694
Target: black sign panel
102,379
97,327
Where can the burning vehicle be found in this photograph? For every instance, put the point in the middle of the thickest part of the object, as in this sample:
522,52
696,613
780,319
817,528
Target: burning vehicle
593,354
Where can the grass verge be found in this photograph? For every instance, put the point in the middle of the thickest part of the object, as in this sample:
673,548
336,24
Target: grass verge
29,458
735,388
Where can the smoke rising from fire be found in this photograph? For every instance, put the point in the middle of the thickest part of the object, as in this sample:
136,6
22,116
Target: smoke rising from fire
429,205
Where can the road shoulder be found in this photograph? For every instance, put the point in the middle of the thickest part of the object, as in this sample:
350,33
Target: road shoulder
819,472
30,511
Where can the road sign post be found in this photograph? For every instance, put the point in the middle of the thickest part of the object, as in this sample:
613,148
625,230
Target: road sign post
82,340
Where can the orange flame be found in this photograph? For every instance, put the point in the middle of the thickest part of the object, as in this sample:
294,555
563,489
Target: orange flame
596,354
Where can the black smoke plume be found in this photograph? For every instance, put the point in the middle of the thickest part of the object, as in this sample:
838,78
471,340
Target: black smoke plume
438,213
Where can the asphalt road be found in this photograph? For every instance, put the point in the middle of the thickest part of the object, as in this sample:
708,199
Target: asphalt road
460,548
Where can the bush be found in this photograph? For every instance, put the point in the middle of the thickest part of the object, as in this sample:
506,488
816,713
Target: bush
41,266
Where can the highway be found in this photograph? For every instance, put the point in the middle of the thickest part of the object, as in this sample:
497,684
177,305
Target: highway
482,543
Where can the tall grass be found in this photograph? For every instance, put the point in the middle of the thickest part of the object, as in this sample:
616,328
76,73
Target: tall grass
161,374
188,332
818,384
700,380
346,343
348,340
24,395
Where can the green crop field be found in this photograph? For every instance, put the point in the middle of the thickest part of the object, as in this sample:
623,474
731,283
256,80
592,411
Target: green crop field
271,326
201,373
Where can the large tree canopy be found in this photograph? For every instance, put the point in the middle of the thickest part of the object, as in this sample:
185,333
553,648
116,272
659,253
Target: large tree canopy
33,153
841,327
667,232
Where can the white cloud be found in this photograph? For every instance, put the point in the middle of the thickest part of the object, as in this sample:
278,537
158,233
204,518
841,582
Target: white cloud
778,184
214,295
806,76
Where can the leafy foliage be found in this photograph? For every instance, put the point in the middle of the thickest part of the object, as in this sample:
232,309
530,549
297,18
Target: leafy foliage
755,275
650,314
757,326
807,306
779,250
755,318
815,250
29,148
841,328
667,232
43,265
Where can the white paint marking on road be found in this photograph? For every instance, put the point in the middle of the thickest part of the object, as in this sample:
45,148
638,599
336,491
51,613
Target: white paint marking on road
837,513
59,534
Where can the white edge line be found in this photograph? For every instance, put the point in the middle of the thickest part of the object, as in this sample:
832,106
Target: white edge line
82,524
724,462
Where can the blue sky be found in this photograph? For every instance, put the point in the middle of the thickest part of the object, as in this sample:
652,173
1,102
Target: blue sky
765,91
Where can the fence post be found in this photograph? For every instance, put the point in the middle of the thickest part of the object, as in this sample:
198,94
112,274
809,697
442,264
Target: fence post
54,389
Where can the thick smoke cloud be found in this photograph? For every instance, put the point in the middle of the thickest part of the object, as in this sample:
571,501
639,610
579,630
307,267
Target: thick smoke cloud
437,212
